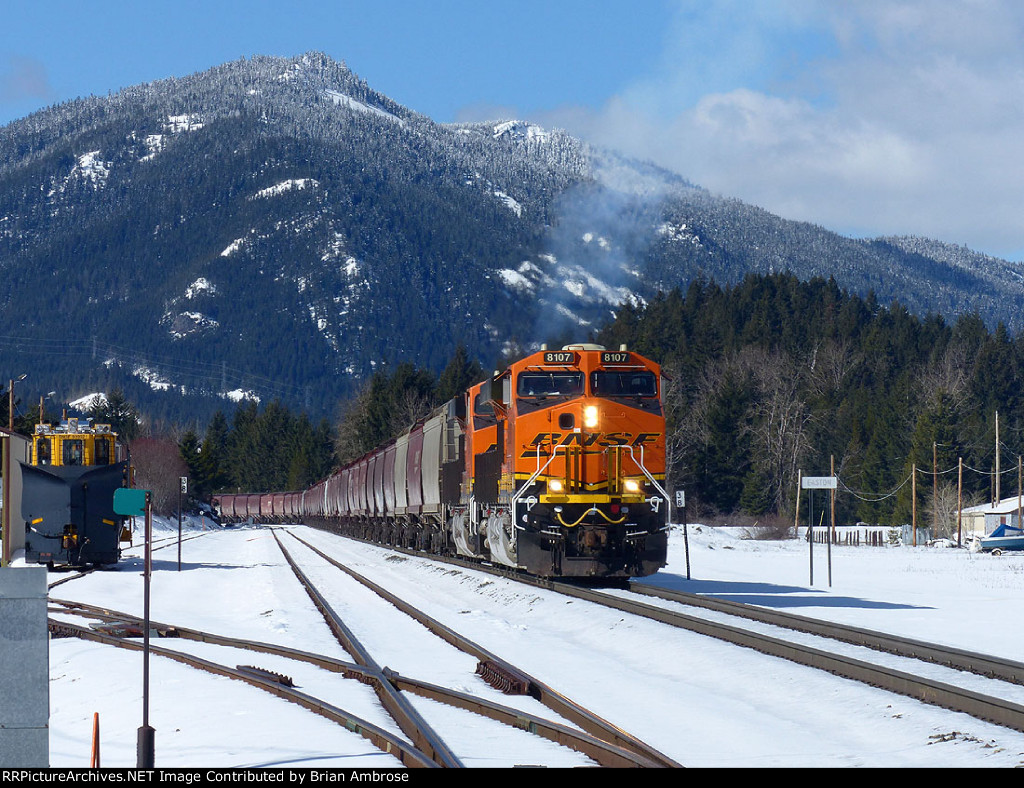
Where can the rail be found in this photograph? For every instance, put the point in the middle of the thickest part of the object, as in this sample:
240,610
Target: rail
570,710
409,720
601,751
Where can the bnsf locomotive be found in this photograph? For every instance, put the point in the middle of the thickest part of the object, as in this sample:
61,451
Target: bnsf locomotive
554,466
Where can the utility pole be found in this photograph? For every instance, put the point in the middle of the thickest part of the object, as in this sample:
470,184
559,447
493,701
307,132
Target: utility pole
796,518
998,498
913,500
959,498
832,494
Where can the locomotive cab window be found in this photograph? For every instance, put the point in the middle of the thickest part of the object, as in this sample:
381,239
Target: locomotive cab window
549,384
42,451
624,384
102,451
74,452
483,412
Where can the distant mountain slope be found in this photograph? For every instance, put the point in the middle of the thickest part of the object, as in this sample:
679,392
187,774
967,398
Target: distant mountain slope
276,228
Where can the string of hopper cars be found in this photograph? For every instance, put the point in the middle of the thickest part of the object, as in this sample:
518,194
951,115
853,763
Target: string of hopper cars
555,466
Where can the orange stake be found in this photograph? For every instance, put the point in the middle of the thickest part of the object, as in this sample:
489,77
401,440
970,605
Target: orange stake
95,741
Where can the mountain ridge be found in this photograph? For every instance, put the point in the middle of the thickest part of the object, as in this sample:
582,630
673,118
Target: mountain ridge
275,227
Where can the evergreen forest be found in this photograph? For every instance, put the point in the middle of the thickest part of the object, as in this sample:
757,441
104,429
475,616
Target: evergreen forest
764,380
772,377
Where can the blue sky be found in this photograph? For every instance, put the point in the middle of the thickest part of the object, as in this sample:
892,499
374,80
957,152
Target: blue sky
873,117
435,57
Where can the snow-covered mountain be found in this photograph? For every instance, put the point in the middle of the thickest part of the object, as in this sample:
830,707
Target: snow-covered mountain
274,228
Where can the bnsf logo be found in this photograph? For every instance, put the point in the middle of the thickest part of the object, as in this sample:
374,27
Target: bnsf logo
595,438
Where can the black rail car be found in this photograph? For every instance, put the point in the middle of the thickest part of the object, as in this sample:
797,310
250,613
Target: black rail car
68,495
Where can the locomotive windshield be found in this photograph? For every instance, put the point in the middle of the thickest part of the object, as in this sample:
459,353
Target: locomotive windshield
73,452
624,384
102,452
549,384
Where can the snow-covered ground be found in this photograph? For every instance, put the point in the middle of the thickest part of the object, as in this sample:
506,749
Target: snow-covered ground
700,701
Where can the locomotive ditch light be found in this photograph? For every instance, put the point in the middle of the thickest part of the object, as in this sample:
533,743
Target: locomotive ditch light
632,486
590,416
555,486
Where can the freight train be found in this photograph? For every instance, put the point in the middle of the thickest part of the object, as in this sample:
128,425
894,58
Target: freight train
68,493
555,467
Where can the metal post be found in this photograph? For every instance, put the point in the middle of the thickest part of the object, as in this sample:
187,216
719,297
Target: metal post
810,530
832,517
686,541
146,738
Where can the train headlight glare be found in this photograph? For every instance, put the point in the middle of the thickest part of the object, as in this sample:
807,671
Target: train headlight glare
590,416
554,486
632,486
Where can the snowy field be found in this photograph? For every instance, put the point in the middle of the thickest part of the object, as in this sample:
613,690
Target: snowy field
700,701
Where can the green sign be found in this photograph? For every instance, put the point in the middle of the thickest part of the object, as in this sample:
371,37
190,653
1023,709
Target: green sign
130,503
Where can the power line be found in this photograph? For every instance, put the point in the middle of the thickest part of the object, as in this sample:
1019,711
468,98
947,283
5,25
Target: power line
214,375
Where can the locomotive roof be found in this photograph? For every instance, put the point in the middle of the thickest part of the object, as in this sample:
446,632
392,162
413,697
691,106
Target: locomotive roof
74,427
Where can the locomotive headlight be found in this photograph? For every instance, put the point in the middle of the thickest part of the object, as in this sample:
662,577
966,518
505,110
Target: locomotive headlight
590,416
632,486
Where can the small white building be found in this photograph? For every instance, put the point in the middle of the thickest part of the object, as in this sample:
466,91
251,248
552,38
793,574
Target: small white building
983,519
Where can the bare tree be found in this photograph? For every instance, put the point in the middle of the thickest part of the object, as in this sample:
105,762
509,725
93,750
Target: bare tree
410,407
159,467
780,423
949,377
942,508
830,363
348,441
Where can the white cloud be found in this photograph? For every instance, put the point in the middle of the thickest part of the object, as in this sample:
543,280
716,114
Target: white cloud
875,117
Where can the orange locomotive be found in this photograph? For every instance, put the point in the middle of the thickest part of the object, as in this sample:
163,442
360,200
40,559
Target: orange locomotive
554,466
565,464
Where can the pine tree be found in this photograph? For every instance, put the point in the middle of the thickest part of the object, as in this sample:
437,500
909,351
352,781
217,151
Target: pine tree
459,375
212,467
188,446
119,413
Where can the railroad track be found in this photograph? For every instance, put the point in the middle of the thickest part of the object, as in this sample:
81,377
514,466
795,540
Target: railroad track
990,708
415,745
606,744
268,681
908,682
698,616
159,544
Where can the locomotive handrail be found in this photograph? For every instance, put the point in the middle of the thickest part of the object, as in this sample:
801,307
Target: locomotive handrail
642,467
519,493
639,462
540,469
